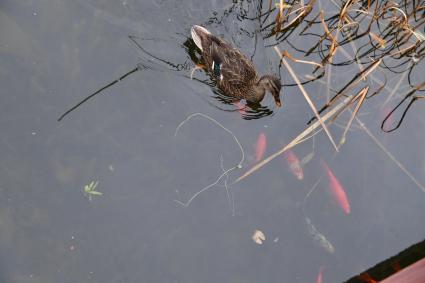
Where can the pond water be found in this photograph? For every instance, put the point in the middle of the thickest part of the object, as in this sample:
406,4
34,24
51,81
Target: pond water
55,52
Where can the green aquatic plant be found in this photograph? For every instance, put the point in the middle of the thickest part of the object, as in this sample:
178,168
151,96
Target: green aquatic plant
89,190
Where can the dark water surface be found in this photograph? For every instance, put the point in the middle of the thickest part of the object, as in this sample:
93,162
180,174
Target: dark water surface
55,52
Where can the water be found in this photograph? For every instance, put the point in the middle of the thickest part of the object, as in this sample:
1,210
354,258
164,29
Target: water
54,53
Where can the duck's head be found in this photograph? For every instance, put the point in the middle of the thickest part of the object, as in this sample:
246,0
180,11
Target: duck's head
272,84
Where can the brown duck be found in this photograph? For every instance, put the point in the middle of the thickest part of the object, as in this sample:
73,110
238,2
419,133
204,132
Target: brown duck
235,73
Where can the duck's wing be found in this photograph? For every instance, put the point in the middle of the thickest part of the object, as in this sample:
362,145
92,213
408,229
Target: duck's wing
230,64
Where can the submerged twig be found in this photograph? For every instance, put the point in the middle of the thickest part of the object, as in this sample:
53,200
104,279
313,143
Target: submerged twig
225,172
295,141
387,152
308,195
407,96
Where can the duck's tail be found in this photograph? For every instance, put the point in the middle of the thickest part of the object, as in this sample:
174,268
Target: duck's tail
198,33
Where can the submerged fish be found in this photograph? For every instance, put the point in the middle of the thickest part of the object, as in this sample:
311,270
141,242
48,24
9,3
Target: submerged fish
260,147
319,278
336,189
318,237
294,164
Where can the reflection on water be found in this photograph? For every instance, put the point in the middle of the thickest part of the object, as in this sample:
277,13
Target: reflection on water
55,53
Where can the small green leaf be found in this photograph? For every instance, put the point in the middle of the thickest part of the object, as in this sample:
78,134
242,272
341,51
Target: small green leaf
94,185
89,190
95,193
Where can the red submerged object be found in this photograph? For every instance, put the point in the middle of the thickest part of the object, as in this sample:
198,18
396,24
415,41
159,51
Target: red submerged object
260,147
240,107
294,164
336,189
319,278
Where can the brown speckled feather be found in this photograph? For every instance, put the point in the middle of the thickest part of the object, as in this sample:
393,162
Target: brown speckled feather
236,68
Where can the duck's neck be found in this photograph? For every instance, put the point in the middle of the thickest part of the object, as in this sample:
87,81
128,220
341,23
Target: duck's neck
266,82
256,92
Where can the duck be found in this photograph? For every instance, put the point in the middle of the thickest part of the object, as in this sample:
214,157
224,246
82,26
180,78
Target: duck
235,74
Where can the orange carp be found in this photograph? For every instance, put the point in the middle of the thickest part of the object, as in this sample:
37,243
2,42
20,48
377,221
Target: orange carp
336,189
260,147
294,164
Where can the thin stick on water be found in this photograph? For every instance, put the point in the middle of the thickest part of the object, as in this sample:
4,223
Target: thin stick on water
309,137
286,54
395,89
381,146
294,76
295,141
309,193
97,92
225,172
362,95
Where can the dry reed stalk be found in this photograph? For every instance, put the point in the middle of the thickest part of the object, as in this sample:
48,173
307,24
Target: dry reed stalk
279,19
329,35
294,76
362,95
306,9
381,42
356,80
286,54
